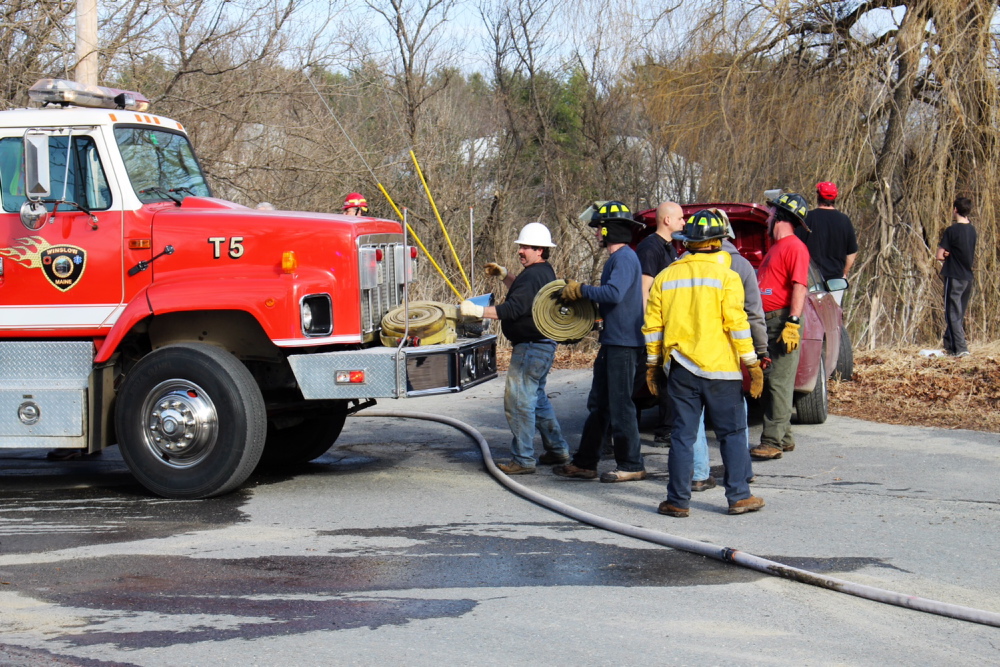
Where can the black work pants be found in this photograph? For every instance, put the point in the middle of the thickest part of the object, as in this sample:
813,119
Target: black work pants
610,402
956,300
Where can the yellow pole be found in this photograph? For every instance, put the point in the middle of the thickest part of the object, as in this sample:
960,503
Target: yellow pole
419,242
447,238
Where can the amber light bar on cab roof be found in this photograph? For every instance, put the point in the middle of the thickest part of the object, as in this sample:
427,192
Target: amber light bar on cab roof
66,93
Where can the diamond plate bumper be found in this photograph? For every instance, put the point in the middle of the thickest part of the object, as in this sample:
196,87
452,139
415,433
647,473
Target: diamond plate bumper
391,373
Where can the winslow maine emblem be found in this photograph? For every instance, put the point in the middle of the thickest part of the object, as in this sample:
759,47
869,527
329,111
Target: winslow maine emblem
62,265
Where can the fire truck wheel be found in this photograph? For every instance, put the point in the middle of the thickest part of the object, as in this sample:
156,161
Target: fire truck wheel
305,441
191,421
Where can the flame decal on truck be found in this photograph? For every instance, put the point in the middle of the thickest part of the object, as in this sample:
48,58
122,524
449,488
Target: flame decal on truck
28,251
62,265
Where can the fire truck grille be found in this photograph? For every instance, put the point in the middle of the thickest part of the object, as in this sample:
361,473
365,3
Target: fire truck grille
386,293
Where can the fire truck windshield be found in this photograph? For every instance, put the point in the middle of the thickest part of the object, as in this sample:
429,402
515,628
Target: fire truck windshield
160,163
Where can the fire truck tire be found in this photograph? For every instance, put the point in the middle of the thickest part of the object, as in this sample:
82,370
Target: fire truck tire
191,421
305,441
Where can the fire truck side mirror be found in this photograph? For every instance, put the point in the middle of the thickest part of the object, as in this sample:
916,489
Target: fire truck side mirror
36,165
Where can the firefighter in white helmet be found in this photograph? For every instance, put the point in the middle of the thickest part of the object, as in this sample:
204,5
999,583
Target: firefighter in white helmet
525,402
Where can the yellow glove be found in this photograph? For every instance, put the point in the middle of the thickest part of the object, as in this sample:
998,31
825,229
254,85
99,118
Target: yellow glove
494,269
572,292
790,336
653,379
756,379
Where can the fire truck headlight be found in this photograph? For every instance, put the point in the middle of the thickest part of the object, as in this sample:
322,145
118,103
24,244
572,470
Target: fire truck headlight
317,315
307,316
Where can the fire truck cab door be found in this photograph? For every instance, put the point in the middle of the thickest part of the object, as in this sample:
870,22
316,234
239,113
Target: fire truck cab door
67,276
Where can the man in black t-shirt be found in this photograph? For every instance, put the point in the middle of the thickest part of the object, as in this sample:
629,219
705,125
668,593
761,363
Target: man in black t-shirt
656,252
525,402
830,238
957,250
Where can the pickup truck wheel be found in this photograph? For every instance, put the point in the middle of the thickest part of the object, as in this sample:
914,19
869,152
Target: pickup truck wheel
191,421
811,408
305,441
845,360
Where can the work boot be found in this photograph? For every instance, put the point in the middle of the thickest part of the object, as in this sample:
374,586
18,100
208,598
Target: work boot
765,452
661,440
570,470
668,509
515,468
623,476
751,504
552,458
703,484
788,446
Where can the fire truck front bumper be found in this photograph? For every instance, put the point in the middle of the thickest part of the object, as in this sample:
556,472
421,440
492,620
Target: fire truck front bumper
385,372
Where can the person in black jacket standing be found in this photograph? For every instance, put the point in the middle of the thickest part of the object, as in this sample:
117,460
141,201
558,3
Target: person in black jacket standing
655,253
956,250
829,236
525,402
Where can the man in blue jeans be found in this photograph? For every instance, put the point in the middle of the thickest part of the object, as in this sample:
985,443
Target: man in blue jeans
696,330
619,299
703,480
525,402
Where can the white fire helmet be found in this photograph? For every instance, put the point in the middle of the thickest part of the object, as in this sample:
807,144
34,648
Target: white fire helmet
535,234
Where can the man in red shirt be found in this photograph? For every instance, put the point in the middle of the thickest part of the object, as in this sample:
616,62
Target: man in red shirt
783,277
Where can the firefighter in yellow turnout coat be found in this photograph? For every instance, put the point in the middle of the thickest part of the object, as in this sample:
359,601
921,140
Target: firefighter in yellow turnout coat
697,331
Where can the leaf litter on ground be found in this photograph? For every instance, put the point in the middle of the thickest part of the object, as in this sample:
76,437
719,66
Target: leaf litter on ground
892,386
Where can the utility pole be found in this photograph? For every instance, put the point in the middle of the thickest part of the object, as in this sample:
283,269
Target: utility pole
86,42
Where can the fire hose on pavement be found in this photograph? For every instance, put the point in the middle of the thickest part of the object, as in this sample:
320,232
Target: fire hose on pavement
724,554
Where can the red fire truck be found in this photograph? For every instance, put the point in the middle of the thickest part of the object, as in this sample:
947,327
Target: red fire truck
198,334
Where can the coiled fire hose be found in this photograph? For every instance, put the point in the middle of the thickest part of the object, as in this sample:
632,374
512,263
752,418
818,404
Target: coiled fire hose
431,323
562,322
724,554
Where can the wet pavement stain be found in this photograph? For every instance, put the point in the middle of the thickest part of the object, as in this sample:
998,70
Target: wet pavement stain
215,599
269,618
18,656
279,595
51,519
836,564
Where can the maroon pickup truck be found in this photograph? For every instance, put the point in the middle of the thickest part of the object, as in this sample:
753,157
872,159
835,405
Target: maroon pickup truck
826,345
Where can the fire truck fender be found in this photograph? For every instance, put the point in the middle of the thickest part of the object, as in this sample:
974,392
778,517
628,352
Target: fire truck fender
136,311
273,303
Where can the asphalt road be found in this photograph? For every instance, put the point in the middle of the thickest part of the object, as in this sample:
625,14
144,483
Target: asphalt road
396,547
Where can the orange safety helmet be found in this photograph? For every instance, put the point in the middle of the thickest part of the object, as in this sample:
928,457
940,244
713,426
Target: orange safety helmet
356,200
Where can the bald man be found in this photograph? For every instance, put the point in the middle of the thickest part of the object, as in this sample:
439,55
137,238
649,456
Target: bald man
656,252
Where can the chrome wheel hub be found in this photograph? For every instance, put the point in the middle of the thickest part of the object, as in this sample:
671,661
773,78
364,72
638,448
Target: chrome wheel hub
180,423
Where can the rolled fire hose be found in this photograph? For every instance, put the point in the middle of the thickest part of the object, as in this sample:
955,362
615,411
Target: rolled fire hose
724,554
431,323
562,322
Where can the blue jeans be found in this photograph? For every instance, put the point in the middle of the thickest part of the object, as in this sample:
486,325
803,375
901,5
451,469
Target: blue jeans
610,401
701,472
526,405
723,401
